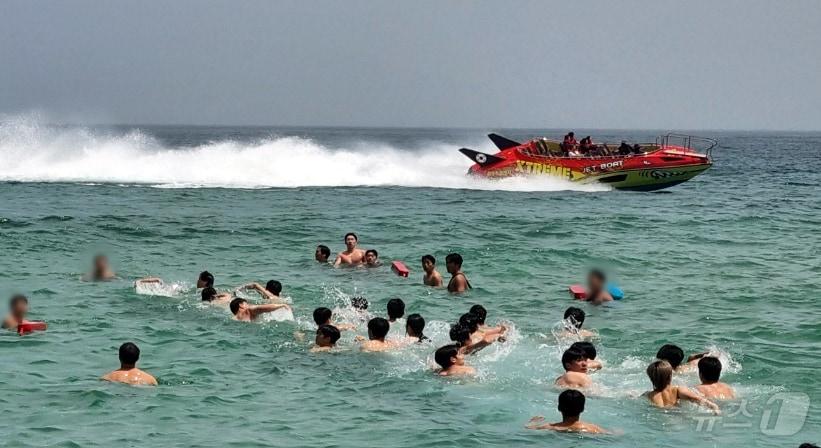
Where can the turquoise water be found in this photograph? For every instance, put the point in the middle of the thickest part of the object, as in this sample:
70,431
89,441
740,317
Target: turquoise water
727,261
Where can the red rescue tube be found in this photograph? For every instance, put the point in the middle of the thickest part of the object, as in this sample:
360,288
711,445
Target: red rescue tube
578,292
400,269
28,327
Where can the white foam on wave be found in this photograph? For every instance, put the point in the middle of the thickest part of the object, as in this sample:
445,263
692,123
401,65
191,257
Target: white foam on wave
33,152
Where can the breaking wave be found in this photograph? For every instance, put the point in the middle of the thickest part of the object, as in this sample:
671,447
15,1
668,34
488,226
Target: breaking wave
34,152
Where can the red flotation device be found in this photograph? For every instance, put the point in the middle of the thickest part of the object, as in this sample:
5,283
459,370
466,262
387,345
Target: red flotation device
400,269
28,327
578,292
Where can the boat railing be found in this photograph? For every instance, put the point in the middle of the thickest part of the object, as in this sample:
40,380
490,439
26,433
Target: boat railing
691,142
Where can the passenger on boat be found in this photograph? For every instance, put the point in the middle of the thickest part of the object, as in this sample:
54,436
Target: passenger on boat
625,149
569,144
586,146
637,149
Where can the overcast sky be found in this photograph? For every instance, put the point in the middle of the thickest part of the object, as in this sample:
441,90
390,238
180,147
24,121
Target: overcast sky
598,64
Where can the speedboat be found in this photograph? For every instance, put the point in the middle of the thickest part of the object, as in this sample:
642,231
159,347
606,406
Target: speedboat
670,160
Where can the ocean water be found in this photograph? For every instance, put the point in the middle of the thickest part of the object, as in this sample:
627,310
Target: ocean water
729,261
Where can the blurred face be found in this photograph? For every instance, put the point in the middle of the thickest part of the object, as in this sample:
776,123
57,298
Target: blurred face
594,282
427,265
100,263
370,258
578,366
322,340
319,256
20,309
350,242
452,268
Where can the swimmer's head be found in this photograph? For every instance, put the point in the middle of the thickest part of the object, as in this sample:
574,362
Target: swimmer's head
448,356
359,303
100,263
453,262
480,312
460,334
574,361
415,325
322,253
322,315
396,308
571,403
660,374
237,304
428,263
205,279
596,280
327,335
129,354
709,369
585,347
19,305
371,257
672,354
575,316
274,287
378,328
469,321
350,240
209,294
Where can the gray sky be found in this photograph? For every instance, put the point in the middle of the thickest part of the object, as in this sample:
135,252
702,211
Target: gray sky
601,64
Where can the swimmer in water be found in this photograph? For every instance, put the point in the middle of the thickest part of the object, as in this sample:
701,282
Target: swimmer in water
359,303
396,309
270,292
377,331
452,361
371,258
575,375
414,328
211,295
18,308
481,315
431,277
665,395
128,373
709,372
204,280
100,270
675,356
596,291
326,337
322,254
575,317
589,351
458,280
352,256
571,405
322,316
244,312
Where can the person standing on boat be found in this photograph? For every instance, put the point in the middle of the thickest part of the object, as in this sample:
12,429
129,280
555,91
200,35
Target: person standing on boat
569,143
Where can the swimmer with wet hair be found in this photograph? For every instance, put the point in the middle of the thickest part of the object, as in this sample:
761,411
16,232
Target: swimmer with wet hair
244,312
589,351
571,405
211,295
360,303
414,328
270,292
128,373
322,254
323,315
575,318
431,276
452,361
18,309
709,372
204,280
665,395
458,280
596,291
326,337
352,255
371,258
378,328
575,366
481,315
396,309
675,356
100,270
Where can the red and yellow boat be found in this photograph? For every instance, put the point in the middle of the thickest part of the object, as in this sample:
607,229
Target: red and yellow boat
670,160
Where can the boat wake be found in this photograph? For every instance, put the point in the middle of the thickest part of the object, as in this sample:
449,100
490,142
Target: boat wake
31,151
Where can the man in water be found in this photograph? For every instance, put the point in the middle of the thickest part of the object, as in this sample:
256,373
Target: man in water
589,351
431,277
575,366
269,292
352,256
371,258
323,315
244,312
665,395
128,372
571,405
204,280
211,295
596,291
322,254
326,337
675,356
377,331
414,328
100,270
452,361
709,372
18,308
396,310
458,280
574,318
481,315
